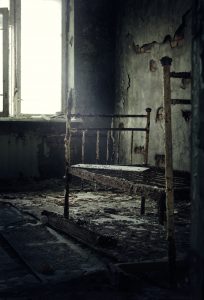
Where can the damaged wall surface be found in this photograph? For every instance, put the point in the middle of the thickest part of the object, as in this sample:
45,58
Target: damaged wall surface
147,31
94,56
197,240
31,149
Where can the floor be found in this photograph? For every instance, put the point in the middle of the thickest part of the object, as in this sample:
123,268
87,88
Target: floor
39,262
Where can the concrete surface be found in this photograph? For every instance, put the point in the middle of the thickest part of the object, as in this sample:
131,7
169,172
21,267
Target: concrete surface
142,38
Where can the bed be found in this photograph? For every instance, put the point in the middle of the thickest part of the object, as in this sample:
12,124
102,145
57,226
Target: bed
163,185
142,180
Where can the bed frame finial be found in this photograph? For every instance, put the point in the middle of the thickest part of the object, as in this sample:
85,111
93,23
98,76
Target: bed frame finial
166,61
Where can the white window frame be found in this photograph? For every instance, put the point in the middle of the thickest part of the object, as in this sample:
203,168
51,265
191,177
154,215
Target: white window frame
5,13
12,61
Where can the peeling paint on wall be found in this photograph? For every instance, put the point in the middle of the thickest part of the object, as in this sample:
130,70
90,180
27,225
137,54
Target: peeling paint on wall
144,37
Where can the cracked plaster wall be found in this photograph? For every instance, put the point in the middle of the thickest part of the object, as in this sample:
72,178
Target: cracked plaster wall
197,237
147,31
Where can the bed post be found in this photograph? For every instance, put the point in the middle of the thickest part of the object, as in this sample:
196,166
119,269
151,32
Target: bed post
166,63
148,110
67,142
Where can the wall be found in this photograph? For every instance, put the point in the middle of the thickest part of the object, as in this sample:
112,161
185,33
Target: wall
147,31
94,55
197,238
31,149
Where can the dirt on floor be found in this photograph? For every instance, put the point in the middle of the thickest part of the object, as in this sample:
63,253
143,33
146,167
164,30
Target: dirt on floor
109,213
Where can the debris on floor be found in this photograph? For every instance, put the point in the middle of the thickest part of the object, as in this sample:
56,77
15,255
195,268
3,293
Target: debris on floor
33,254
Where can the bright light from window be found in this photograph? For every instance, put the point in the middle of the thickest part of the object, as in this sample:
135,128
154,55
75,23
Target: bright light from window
40,56
4,3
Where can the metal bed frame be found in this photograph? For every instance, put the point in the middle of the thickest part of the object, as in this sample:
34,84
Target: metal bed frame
145,181
112,150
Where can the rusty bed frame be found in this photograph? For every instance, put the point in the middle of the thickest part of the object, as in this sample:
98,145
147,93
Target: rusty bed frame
141,180
111,134
151,182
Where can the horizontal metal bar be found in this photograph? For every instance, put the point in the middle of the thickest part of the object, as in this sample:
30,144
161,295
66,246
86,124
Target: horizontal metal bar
181,101
185,75
108,129
106,116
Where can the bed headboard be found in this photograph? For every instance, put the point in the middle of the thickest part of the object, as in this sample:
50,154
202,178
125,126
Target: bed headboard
105,135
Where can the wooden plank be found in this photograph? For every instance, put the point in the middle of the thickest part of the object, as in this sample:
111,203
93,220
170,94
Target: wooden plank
91,239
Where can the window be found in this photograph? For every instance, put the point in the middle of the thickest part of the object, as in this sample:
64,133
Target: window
4,62
4,3
32,57
41,56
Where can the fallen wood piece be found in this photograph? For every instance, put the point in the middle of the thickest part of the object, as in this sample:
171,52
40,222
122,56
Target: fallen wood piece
84,235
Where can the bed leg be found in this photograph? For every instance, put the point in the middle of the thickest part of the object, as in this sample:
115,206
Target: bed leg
82,184
66,203
66,198
142,207
162,209
95,187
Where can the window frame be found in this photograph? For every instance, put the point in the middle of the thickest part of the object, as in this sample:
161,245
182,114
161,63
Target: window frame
12,63
5,13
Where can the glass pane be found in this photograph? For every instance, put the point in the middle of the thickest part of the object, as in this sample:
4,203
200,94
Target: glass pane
40,56
1,21
1,63
4,3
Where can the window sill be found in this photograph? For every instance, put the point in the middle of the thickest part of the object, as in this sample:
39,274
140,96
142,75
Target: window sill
46,119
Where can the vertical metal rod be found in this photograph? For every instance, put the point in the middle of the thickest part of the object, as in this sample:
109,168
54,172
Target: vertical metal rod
142,208
107,146
166,63
83,141
148,110
67,142
118,148
97,146
113,140
131,153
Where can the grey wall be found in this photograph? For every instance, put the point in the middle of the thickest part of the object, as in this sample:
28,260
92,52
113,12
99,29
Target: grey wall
198,153
111,74
31,149
94,55
143,34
